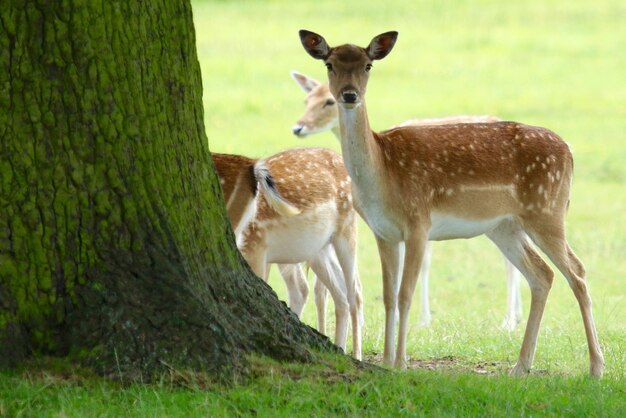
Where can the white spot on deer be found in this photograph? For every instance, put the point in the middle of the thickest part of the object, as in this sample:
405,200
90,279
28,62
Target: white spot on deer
540,189
401,163
449,192
530,207
528,168
558,175
544,166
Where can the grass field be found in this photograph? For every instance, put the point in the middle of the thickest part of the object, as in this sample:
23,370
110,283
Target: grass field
557,64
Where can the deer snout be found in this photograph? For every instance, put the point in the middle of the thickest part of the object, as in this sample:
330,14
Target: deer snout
349,96
297,130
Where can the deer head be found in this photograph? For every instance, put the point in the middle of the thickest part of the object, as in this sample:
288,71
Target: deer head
348,65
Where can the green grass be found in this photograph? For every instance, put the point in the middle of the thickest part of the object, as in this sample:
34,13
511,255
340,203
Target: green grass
276,390
557,64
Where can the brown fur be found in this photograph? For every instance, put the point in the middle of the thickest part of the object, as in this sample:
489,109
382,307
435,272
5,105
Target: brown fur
236,174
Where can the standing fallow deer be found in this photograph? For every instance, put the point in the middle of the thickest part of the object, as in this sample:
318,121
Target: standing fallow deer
321,114
303,212
412,184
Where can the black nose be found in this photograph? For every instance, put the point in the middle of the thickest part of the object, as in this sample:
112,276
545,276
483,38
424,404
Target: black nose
296,130
348,96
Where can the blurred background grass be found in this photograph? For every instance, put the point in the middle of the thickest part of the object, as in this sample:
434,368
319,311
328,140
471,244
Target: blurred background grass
558,64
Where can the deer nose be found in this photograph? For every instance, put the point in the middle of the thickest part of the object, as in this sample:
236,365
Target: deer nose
297,129
349,96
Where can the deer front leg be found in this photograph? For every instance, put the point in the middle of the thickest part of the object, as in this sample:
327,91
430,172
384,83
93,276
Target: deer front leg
415,246
425,317
389,259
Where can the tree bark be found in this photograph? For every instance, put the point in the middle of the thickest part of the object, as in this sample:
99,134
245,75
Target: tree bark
115,248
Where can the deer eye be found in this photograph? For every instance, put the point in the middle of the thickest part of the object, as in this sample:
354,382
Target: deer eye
368,67
329,66
329,102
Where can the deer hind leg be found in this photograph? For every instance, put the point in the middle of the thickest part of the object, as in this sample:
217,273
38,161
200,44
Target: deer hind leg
253,248
415,246
297,286
359,298
514,297
345,249
515,245
321,297
329,273
425,317
550,237
389,259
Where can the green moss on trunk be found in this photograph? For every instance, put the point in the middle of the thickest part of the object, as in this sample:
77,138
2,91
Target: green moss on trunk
114,243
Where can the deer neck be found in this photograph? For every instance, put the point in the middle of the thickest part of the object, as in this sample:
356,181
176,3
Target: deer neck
359,148
363,160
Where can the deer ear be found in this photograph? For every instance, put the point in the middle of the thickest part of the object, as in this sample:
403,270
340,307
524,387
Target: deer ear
314,44
306,83
381,45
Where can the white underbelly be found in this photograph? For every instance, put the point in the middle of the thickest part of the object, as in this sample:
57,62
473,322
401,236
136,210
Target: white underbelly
446,227
301,237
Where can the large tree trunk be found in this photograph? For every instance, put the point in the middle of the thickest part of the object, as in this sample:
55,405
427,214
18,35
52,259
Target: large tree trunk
114,243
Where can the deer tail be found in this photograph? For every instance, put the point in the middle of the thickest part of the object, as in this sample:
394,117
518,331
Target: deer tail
267,186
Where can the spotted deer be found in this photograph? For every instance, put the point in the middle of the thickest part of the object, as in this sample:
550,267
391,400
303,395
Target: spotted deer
321,114
412,184
239,178
303,212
